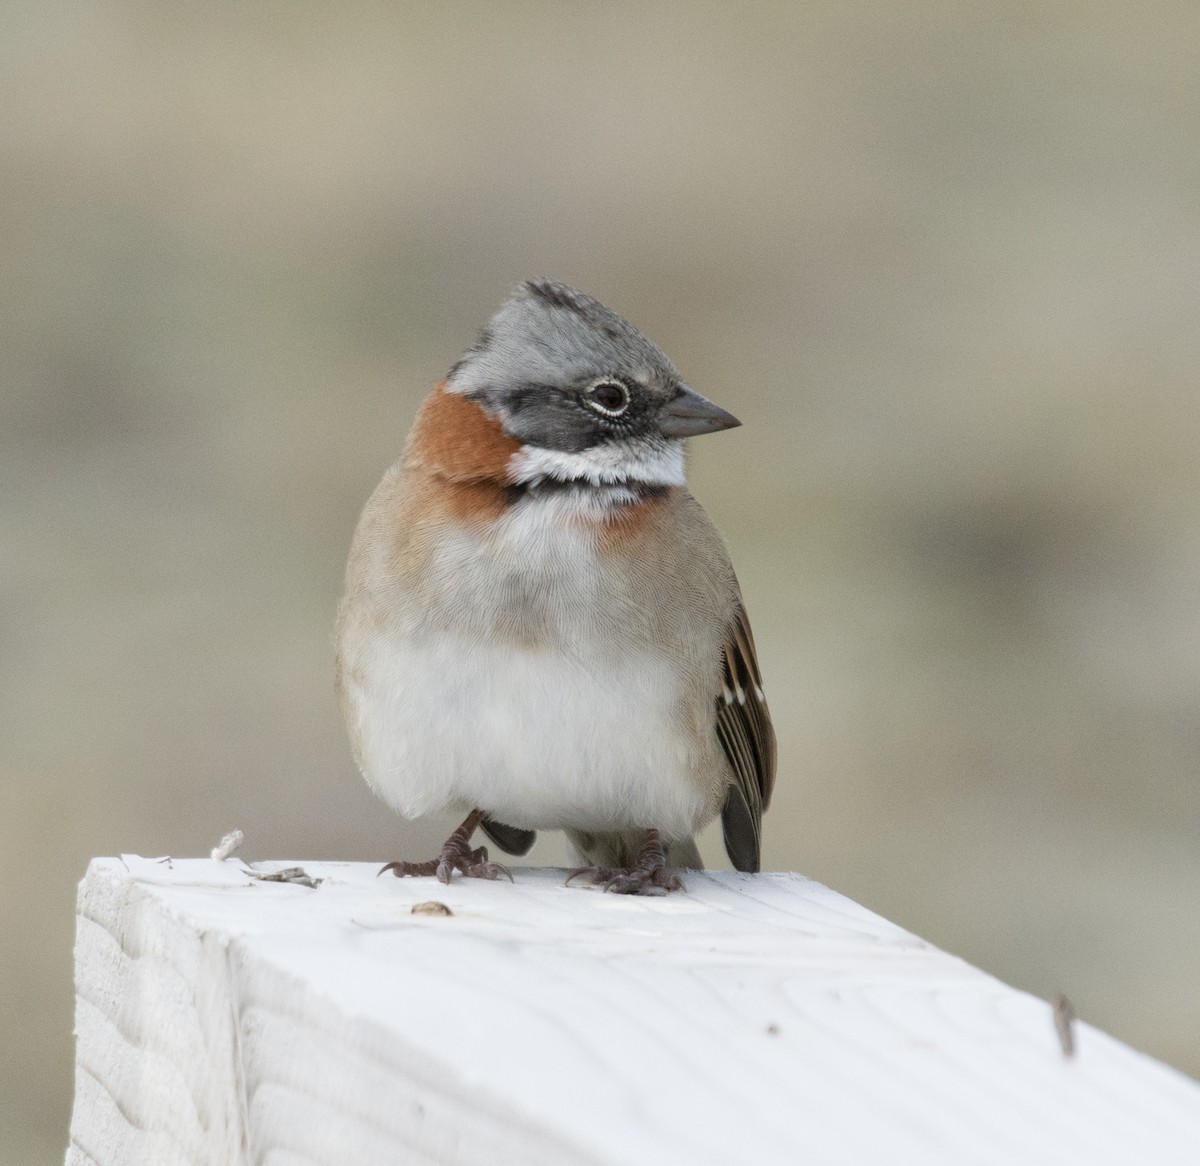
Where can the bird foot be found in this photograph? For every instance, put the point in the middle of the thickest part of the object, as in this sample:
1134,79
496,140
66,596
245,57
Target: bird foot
648,876
633,881
456,855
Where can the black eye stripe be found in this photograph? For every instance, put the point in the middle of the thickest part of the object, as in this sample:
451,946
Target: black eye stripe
609,398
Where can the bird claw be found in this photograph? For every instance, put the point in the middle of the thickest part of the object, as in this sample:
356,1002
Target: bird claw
634,881
409,869
650,876
639,882
472,864
456,856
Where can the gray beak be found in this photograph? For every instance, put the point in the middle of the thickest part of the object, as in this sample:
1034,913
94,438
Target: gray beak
690,415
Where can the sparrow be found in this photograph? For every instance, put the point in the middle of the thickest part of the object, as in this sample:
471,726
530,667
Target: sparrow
541,627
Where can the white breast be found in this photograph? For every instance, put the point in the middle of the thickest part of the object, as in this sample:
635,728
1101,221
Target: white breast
513,683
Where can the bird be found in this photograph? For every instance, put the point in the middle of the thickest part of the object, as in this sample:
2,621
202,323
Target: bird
541,627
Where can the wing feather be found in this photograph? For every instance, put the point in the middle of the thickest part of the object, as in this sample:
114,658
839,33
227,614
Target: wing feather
510,839
748,739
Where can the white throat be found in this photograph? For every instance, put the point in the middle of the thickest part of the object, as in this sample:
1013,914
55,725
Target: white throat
650,463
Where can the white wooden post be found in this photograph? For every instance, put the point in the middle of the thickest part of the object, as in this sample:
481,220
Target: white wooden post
753,1020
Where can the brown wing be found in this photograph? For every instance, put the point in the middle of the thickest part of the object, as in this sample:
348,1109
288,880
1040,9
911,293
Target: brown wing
745,732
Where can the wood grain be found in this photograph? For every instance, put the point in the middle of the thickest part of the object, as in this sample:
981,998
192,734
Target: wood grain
221,1019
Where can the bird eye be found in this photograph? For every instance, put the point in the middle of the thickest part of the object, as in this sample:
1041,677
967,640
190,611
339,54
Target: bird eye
608,397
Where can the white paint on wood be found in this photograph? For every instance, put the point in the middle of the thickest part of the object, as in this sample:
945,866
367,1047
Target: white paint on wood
755,1019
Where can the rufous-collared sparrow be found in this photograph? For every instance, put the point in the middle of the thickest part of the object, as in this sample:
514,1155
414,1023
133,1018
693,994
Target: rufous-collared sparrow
541,626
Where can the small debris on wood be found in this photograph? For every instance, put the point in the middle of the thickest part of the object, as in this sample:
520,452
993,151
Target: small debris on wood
432,907
227,845
294,875
1064,1021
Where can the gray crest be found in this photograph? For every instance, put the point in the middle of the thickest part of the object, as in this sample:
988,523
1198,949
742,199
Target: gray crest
549,334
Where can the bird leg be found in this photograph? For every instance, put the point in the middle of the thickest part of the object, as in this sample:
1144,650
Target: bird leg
648,872
456,855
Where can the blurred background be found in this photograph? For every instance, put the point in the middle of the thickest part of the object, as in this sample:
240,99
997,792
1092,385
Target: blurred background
942,260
